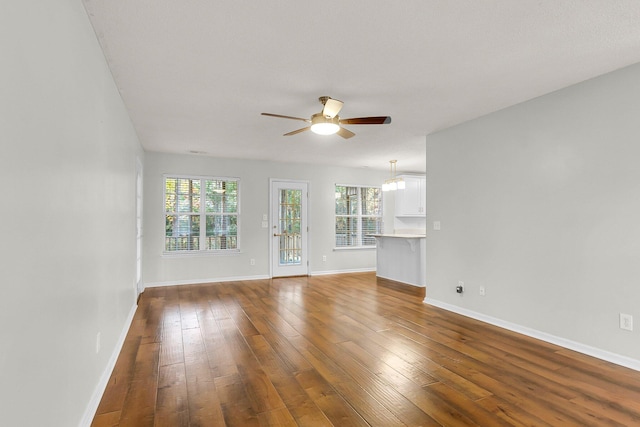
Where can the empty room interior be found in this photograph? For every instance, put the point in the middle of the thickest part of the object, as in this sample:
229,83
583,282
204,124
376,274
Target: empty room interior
320,214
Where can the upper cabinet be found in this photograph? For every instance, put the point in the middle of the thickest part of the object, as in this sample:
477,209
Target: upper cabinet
411,201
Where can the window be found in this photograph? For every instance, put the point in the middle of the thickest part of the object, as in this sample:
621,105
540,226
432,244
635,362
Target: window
358,215
201,214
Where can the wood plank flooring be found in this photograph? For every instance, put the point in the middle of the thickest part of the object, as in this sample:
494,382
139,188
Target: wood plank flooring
345,351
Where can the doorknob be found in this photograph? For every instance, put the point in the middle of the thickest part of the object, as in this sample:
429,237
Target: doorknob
276,235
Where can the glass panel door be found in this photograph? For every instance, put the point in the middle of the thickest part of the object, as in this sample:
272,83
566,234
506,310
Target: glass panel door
289,200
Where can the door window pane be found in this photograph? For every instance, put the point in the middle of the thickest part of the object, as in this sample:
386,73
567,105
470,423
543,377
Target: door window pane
289,222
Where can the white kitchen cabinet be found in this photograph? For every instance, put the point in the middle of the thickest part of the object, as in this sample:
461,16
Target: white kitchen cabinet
412,200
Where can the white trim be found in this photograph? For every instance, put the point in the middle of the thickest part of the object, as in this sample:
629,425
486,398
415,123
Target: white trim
415,285
351,270
358,185
203,281
202,212
201,253
273,219
92,406
139,228
360,233
543,336
257,277
206,177
354,248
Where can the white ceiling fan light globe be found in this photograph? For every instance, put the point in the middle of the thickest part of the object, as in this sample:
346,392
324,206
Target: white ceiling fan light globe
325,128
322,125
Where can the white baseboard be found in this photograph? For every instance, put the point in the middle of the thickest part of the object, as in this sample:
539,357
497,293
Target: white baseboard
353,270
543,336
92,407
416,285
240,278
202,281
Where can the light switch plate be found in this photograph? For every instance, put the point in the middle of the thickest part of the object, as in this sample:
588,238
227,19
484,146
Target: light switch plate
436,225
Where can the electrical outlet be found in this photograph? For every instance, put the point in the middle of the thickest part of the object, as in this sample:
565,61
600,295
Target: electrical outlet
626,322
324,257
460,287
482,291
436,225
252,261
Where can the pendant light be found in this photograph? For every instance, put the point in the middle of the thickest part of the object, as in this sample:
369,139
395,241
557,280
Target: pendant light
393,183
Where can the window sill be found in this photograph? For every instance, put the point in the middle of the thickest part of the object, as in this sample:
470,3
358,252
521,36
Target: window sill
353,248
193,254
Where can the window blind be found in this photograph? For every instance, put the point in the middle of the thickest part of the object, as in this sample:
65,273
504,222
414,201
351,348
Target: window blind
358,215
185,212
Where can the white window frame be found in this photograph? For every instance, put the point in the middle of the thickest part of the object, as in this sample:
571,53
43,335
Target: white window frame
202,214
359,216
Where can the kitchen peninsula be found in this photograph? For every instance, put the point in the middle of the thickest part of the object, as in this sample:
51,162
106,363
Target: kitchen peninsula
401,258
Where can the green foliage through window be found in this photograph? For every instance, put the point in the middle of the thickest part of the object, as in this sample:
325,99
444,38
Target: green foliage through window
358,215
184,212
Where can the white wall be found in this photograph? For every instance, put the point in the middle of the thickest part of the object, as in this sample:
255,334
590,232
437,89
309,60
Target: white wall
540,203
254,200
67,256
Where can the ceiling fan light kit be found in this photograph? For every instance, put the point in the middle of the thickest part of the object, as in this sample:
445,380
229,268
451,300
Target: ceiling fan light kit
324,125
327,122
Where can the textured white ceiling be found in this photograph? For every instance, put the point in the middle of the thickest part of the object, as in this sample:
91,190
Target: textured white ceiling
196,74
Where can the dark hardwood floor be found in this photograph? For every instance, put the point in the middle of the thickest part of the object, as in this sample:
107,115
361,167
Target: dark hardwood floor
340,351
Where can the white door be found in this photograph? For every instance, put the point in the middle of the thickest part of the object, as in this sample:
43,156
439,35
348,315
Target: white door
289,229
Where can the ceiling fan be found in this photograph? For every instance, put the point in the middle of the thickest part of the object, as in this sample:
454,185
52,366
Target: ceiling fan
327,122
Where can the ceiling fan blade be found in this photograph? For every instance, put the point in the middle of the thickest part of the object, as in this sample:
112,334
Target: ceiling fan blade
345,133
380,120
293,132
286,117
332,107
